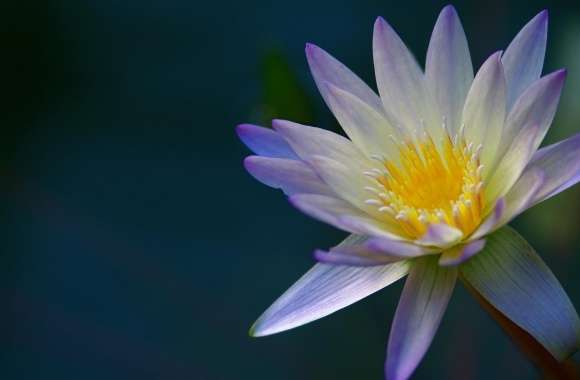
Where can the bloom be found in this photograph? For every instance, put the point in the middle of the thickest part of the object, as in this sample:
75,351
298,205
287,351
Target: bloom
431,171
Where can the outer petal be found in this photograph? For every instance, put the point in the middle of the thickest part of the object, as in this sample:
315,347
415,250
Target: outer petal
460,253
448,70
367,128
264,141
524,58
292,176
310,141
322,291
536,106
560,164
515,280
421,307
327,69
484,110
399,78
372,252
341,214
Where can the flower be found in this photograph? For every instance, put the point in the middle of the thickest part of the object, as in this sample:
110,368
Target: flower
430,174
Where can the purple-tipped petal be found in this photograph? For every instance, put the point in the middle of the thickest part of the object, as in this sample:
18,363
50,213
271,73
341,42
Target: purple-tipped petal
484,111
536,106
309,141
440,235
264,141
513,279
340,214
322,291
399,78
354,258
461,253
490,221
524,58
448,70
560,165
421,307
292,176
327,69
399,248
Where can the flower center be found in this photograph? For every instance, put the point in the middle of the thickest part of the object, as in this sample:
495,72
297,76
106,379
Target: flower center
431,184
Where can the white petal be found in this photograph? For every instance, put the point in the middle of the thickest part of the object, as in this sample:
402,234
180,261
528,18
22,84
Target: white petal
399,248
490,221
512,164
421,307
399,78
327,69
310,141
448,70
560,165
347,182
521,195
368,129
515,280
322,291
292,176
484,110
340,214
524,58
440,235
461,253
536,106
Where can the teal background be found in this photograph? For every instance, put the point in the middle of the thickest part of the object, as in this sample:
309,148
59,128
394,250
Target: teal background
134,244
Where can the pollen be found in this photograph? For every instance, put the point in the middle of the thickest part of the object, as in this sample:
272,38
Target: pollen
431,183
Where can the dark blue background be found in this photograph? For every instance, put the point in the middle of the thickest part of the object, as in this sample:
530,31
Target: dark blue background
134,245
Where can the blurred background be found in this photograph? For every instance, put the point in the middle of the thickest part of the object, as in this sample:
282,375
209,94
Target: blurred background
134,244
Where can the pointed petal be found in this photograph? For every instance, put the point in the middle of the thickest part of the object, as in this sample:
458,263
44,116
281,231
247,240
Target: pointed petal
340,214
264,141
440,235
347,182
512,164
368,129
292,176
309,141
521,195
327,69
524,58
399,78
515,280
484,110
448,70
461,253
560,165
536,106
421,307
322,291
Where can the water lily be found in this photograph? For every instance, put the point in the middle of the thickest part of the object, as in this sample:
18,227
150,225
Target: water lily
431,172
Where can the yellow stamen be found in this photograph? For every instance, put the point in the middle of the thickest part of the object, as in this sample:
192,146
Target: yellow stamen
431,184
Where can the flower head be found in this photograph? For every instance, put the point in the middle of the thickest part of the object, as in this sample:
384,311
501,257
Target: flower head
431,170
